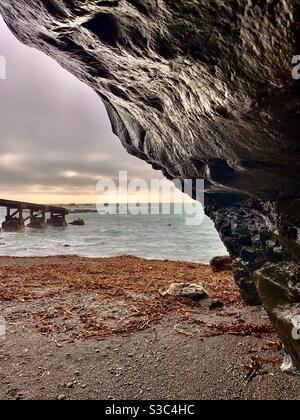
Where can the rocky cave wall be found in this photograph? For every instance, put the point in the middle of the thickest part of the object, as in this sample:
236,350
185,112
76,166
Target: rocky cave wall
264,238
199,89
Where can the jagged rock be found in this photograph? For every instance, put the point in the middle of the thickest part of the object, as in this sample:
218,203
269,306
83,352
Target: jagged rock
187,290
279,288
221,264
198,89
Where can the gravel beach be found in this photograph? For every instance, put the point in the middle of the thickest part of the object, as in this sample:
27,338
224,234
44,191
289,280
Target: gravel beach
80,328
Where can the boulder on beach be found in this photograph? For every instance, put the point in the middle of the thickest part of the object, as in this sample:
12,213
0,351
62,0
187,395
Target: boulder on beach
187,290
223,263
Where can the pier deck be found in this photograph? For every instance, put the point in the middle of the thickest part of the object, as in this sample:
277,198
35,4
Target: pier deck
15,219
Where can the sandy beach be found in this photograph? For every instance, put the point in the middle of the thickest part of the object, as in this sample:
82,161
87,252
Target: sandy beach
81,328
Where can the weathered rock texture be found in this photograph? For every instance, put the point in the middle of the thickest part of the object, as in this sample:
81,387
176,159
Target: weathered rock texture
219,264
199,89
187,290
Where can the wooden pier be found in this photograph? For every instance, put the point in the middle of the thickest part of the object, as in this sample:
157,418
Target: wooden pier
16,216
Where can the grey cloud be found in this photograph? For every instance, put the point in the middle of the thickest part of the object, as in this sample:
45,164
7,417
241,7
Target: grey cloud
55,124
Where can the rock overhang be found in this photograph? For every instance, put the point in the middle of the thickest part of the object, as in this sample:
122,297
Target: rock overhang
198,89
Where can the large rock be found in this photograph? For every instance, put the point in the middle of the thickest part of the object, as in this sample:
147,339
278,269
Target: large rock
199,89
223,263
187,290
279,288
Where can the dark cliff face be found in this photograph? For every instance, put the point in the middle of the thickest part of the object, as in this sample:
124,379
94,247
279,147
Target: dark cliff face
199,89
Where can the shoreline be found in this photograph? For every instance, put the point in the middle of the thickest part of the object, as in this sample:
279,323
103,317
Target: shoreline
107,257
156,237
81,328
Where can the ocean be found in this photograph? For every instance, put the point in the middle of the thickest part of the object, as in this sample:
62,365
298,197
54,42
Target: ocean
158,236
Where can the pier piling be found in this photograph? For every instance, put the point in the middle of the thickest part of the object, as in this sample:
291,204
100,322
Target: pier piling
15,220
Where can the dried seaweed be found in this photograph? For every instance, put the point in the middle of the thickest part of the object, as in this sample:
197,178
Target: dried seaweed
83,298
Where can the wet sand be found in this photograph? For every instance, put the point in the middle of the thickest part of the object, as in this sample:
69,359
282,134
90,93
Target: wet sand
81,328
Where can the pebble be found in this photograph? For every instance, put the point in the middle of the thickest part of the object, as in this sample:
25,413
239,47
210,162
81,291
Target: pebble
70,385
62,398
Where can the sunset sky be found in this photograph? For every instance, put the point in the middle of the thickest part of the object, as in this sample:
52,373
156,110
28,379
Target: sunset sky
56,139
